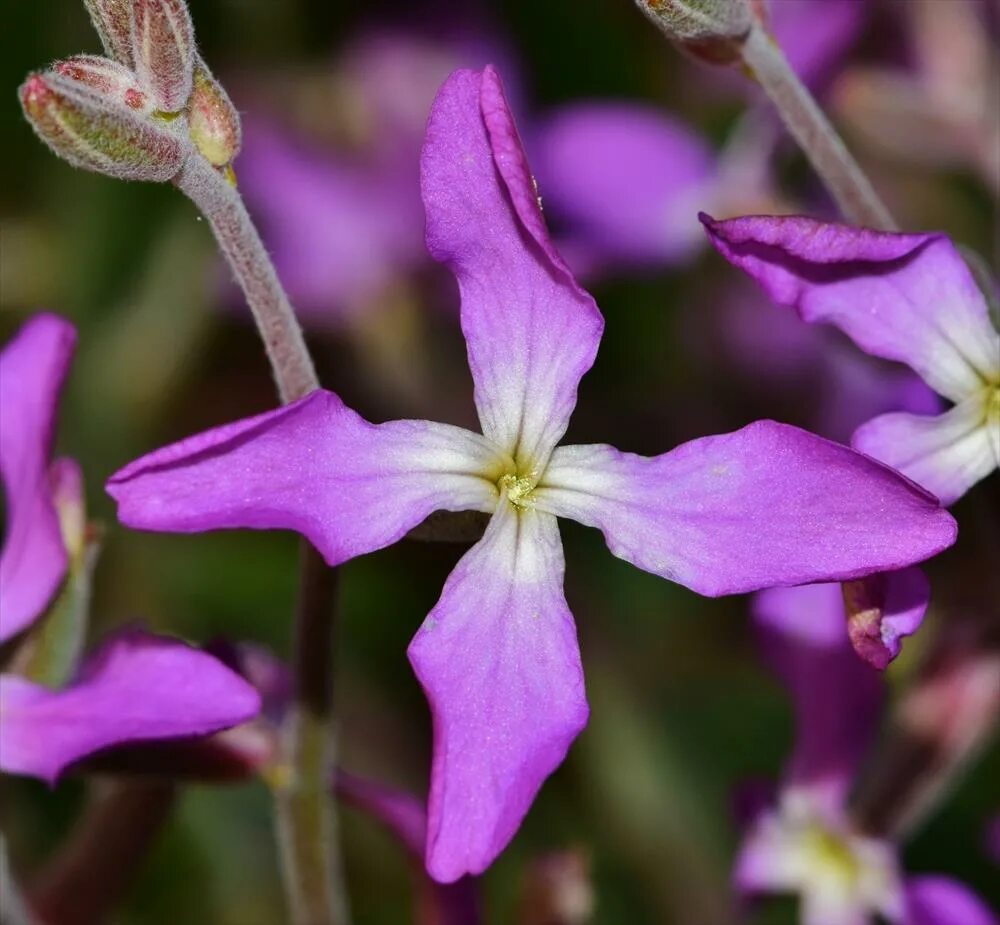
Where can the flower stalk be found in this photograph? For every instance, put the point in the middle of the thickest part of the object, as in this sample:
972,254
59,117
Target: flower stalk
843,177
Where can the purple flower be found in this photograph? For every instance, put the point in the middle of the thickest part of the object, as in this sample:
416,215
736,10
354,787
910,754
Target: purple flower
904,297
135,687
807,843
497,656
34,559
345,225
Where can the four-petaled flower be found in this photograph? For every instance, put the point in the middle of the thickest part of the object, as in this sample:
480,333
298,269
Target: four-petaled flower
35,558
904,297
807,842
498,656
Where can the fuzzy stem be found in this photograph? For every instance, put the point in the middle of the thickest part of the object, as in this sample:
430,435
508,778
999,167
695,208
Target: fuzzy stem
220,202
307,825
306,820
847,183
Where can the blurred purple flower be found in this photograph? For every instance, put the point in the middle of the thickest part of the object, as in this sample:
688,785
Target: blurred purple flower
33,564
344,224
498,655
904,297
806,843
135,687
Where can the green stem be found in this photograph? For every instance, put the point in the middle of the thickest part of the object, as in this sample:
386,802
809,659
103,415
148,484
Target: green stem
305,816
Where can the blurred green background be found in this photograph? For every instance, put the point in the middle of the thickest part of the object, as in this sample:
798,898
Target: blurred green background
682,711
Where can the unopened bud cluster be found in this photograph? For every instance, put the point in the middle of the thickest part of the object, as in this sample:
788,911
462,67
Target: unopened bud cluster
709,29
140,112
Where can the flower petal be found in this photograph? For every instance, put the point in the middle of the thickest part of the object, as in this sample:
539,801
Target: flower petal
905,297
836,696
315,467
946,453
937,900
766,505
135,687
33,367
531,331
499,662
884,608
625,178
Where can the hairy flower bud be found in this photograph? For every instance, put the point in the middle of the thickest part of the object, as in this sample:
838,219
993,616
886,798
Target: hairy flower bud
709,29
93,131
164,50
112,20
108,78
213,122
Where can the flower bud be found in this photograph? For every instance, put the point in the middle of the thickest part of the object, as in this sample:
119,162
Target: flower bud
164,51
213,122
98,133
108,78
709,29
111,19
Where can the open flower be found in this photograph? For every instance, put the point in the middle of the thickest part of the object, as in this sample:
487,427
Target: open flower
905,297
807,843
34,561
135,688
498,656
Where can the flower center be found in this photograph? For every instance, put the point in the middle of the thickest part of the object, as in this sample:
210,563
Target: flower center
519,489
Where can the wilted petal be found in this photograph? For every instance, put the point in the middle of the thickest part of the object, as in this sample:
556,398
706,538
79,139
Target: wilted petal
499,662
315,467
905,297
766,505
939,900
836,696
946,453
531,331
33,367
136,687
883,609
626,179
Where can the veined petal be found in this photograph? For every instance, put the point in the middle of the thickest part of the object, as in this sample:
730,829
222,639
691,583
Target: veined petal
499,662
136,687
626,178
946,453
315,467
531,331
766,505
836,696
934,899
905,297
33,367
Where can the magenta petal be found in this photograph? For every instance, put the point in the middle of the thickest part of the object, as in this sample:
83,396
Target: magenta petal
33,367
938,900
626,179
499,662
766,505
946,453
905,297
136,687
315,467
883,609
531,331
836,697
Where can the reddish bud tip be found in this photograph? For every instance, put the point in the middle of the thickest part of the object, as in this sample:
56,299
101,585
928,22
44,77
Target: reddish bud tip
107,78
213,122
111,19
164,51
93,131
